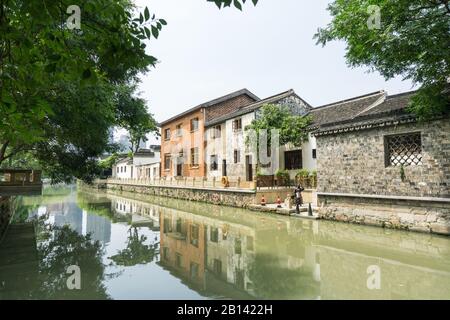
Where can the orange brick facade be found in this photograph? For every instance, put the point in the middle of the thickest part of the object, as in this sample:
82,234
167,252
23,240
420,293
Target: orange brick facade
182,147
183,140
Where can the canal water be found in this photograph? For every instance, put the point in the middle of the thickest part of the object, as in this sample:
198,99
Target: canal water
128,246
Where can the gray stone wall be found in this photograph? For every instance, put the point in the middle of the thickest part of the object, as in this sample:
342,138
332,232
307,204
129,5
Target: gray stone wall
430,217
220,197
354,162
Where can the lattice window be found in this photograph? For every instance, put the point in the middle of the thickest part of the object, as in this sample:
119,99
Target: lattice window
405,149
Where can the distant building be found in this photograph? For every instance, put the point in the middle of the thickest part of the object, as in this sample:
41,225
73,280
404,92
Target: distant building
145,164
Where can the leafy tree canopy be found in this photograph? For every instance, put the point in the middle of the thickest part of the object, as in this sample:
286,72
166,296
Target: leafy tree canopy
292,128
410,38
58,85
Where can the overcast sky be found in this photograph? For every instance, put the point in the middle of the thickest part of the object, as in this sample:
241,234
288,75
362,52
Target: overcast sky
205,53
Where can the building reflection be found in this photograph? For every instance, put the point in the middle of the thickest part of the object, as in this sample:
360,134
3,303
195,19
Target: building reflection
223,252
68,213
139,213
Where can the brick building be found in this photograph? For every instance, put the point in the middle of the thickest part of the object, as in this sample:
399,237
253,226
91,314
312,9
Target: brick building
183,136
378,165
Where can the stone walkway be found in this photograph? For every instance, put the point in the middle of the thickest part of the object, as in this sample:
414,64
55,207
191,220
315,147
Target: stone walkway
284,210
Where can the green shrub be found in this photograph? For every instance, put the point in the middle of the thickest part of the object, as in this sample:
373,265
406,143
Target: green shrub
282,174
302,173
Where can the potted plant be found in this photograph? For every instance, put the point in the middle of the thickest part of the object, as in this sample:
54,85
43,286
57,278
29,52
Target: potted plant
313,176
302,177
282,177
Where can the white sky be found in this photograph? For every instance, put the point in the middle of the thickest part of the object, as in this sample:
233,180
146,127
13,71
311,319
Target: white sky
205,53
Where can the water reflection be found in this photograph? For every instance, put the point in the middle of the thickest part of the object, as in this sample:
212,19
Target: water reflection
135,246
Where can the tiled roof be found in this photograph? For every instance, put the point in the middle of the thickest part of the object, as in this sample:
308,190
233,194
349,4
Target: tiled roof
252,107
212,103
362,112
345,109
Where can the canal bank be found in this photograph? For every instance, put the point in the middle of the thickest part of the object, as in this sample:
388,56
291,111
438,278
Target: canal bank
195,191
417,214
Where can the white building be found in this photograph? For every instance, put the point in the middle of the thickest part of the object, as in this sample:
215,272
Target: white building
145,164
227,153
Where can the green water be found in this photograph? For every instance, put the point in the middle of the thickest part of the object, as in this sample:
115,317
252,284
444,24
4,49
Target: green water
131,246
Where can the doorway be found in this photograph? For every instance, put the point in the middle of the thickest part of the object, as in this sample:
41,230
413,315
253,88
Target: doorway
248,168
179,169
224,168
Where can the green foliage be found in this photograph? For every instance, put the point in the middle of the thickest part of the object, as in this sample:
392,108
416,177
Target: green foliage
303,173
292,128
283,174
109,162
227,3
57,86
412,41
133,116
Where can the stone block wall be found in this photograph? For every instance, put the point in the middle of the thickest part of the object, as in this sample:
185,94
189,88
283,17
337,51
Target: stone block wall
240,199
421,216
354,162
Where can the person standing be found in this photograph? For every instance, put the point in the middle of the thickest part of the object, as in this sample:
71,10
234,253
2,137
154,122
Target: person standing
298,198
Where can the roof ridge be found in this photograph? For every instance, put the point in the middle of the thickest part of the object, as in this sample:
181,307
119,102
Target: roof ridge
349,99
401,94
211,103
379,101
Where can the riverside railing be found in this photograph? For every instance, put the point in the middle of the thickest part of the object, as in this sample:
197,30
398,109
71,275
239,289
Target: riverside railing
187,182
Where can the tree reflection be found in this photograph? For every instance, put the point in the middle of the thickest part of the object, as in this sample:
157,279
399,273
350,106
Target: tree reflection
61,247
136,252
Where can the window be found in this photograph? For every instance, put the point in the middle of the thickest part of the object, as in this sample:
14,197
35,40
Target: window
250,243
194,270
194,157
167,161
217,267
240,278
117,169
125,169
194,124
181,227
237,156
179,130
178,260
167,134
167,225
293,160
314,153
166,253
404,149
194,235
237,246
237,125
214,165
216,132
214,235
